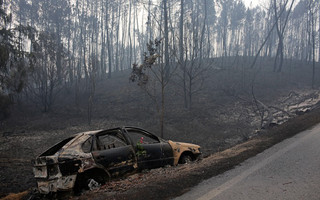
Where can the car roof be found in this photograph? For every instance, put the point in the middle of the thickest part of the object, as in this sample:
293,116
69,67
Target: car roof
117,128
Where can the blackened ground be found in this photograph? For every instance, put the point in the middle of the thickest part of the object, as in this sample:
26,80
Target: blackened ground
166,183
222,115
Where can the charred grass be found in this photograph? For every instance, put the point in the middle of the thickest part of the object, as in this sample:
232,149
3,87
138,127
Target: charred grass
167,183
222,115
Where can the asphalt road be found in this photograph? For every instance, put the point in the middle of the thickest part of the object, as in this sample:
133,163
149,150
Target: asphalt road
289,170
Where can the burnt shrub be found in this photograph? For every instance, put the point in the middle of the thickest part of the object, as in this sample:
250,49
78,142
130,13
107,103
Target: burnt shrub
5,103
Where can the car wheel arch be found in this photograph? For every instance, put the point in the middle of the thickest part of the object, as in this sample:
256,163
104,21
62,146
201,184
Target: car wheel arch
100,175
186,155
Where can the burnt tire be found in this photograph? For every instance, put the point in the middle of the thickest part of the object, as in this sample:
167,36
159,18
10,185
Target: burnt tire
84,179
185,159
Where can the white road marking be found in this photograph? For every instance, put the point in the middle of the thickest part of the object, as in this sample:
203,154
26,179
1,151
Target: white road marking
216,191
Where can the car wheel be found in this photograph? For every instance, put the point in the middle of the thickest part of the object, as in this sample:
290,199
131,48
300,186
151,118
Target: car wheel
90,180
185,158
94,184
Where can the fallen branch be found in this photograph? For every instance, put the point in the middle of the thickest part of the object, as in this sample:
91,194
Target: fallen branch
282,110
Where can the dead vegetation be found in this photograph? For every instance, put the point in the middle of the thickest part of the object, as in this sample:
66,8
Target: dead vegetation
223,114
16,196
177,180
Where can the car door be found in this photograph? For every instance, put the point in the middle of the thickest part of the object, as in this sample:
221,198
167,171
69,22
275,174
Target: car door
147,147
114,153
167,154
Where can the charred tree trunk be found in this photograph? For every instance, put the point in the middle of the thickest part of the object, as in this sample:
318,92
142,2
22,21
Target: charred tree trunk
108,41
181,49
280,31
166,39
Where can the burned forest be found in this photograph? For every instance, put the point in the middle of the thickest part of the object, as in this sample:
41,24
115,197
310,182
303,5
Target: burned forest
211,74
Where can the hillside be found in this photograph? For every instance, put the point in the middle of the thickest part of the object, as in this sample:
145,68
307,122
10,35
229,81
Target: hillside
226,111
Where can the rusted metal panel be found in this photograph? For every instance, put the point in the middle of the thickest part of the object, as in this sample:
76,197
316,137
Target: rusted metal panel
180,147
167,154
152,157
61,184
116,159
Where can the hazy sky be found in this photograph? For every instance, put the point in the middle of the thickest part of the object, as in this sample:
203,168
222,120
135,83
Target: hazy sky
254,2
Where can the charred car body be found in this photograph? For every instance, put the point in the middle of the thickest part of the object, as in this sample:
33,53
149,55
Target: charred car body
101,155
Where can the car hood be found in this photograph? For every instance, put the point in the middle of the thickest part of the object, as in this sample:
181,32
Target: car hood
183,144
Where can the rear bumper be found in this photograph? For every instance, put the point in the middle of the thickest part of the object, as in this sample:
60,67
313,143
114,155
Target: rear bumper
63,183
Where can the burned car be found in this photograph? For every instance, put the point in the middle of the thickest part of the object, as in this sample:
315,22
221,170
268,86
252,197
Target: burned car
104,154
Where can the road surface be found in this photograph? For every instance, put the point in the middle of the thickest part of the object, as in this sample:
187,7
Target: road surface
289,170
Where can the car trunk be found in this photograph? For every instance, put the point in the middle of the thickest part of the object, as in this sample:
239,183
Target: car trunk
46,166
